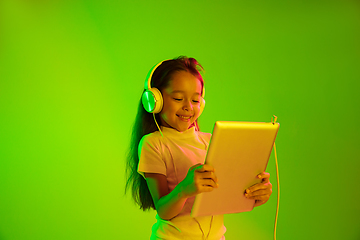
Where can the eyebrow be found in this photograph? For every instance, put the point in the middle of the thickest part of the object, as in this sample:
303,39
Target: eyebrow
179,91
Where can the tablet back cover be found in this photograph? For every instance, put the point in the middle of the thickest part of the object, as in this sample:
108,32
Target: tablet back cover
238,151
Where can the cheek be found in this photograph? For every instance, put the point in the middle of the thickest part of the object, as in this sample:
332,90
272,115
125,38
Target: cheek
197,111
166,106
168,110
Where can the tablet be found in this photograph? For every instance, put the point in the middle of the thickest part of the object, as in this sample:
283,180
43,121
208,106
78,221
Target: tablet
238,151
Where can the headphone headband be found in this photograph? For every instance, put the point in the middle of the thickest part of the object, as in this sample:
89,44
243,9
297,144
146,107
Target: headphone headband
149,76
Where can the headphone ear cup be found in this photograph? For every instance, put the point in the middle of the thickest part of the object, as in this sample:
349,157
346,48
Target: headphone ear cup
202,105
152,100
159,102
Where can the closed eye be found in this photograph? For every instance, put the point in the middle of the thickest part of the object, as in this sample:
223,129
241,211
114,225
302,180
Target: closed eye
180,99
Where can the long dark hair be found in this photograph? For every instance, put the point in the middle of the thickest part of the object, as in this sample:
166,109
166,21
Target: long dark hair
145,124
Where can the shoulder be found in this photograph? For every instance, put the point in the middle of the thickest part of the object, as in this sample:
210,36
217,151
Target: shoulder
152,139
154,136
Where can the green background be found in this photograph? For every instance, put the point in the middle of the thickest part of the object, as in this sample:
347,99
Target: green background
72,73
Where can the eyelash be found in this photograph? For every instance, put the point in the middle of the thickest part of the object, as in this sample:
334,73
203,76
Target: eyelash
179,99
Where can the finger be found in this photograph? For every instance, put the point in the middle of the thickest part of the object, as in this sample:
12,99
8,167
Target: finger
258,186
205,189
261,198
259,203
255,187
205,168
259,193
264,176
208,175
208,182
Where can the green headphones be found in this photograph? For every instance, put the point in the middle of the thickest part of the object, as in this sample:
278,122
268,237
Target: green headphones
152,99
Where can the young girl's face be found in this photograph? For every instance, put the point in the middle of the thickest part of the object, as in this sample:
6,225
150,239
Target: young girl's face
181,101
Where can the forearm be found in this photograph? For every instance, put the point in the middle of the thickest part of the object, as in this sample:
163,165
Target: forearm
200,178
170,205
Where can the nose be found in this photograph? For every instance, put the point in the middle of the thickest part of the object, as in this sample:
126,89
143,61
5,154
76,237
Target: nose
188,106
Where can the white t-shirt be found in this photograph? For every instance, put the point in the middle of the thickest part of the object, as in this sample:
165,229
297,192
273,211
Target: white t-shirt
172,156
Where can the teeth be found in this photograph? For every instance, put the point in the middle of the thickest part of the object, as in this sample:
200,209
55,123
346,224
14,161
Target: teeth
184,117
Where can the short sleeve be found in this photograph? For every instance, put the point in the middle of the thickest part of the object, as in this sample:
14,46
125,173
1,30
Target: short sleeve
150,156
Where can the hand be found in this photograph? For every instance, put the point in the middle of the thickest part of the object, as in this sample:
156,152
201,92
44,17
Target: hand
260,192
200,178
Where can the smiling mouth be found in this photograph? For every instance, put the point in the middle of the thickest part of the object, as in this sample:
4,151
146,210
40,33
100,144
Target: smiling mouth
184,117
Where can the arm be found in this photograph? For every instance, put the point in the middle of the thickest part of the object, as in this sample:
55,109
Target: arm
200,178
167,204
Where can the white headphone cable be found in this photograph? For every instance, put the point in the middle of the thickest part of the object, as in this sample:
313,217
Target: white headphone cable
207,236
274,119
278,192
157,125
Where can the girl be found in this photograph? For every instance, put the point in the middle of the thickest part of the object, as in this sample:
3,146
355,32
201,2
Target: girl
165,164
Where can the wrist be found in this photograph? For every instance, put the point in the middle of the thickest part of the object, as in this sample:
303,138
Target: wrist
181,191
